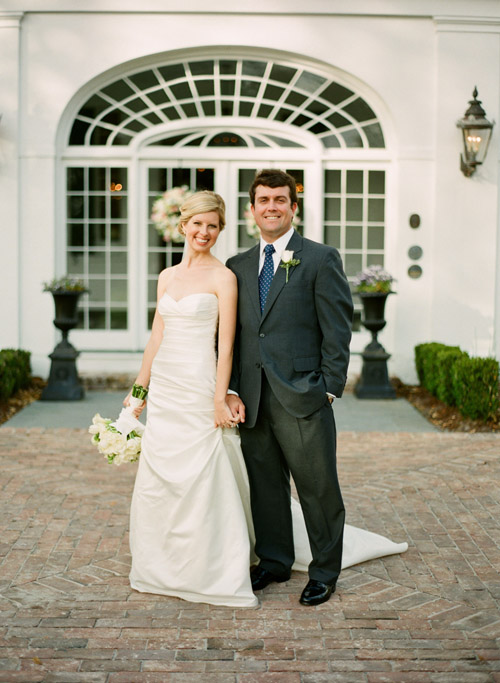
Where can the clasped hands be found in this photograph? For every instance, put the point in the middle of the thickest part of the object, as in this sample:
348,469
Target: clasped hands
137,411
229,412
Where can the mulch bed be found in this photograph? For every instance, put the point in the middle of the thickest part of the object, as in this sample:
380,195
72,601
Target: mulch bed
22,398
447,418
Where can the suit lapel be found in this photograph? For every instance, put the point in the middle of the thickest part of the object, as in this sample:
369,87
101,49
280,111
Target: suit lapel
279,279
251,275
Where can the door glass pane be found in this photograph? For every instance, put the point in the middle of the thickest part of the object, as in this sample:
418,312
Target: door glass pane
76,235
354,183
352,264
354,209
118,207
97,319
332,236
376,209
375,237
75,206
354,218
118,319
97,234
97,179
332,181
97,290
332,209
97,262
354,237
119,262
118,235
97,206
75,263
376,182
75,179
102,195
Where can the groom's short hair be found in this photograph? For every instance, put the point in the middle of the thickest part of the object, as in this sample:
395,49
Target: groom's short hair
272,177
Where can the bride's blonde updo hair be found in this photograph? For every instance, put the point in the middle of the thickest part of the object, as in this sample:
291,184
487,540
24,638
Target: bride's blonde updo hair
202,202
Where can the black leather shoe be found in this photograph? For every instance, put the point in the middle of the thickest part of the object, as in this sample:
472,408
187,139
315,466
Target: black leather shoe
316,592
263,577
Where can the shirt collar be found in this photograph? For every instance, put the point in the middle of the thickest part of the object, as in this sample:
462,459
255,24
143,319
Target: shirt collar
280,244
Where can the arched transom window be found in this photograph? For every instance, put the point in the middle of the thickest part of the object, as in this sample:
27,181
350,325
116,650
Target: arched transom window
245,88
209,122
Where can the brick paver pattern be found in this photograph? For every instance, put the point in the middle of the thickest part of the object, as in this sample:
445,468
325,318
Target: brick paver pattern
432,614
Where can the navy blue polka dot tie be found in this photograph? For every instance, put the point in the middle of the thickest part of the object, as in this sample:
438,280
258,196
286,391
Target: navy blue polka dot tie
266,275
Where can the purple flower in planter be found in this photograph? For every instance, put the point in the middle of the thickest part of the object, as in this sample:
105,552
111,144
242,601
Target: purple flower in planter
373,279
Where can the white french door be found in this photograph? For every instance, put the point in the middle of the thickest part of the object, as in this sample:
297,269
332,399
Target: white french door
231,179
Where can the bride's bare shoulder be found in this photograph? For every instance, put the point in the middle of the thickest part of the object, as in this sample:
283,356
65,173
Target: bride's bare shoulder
163,280
224,279
166,274
223,273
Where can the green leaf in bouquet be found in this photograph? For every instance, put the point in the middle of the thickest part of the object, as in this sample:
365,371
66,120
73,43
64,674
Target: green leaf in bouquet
139,392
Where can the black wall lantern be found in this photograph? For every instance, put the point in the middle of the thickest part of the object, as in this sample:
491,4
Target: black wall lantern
476,130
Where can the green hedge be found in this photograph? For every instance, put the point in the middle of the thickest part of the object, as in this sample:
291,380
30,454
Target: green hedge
475,386
456,379
426,361
15,371
446,360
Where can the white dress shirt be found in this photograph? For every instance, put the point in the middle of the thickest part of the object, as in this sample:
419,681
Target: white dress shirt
279,247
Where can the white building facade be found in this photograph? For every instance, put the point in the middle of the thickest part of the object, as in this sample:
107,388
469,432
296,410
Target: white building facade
106,105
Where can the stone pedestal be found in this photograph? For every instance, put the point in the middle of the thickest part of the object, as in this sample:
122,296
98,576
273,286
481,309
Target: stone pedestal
374,381
64,384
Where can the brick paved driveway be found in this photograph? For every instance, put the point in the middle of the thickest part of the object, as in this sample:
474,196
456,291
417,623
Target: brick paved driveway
432,614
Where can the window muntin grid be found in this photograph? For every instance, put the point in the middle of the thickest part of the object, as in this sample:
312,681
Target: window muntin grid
204,88
97,243
354,219
225,138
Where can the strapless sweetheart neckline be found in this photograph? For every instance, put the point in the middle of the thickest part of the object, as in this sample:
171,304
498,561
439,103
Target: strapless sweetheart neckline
177,301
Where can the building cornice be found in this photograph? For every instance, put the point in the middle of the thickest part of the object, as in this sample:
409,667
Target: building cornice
448,24
11,19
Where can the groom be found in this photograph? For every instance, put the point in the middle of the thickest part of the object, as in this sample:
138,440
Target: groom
290,361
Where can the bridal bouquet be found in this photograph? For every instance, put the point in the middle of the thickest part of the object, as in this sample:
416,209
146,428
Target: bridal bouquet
166,212
120,441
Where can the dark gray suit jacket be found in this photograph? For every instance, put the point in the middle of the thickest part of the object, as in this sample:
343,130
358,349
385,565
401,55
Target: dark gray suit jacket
301,340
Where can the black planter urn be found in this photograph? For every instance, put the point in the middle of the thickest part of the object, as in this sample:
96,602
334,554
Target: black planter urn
64,384
374,381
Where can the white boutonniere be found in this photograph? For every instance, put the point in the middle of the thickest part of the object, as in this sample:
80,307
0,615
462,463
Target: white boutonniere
287,261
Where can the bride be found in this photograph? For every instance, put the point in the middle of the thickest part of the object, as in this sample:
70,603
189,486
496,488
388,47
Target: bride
191,532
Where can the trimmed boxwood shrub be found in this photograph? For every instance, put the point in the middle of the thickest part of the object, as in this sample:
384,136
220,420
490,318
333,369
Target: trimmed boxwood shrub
426,361
445,362
456,379
15,371
475,386
419,363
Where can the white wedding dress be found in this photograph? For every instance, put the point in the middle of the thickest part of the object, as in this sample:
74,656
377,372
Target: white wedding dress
191,532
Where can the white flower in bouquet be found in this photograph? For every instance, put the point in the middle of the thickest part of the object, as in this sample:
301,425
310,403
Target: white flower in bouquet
251,225
120,441
166,212
98,424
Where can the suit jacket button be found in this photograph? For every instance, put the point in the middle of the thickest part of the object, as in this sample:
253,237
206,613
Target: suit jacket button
258,366
262,334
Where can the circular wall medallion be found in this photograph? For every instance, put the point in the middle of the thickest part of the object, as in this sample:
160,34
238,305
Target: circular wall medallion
415,272
415,252
414,220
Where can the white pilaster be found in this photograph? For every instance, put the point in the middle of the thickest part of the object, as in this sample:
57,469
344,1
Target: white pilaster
10,25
